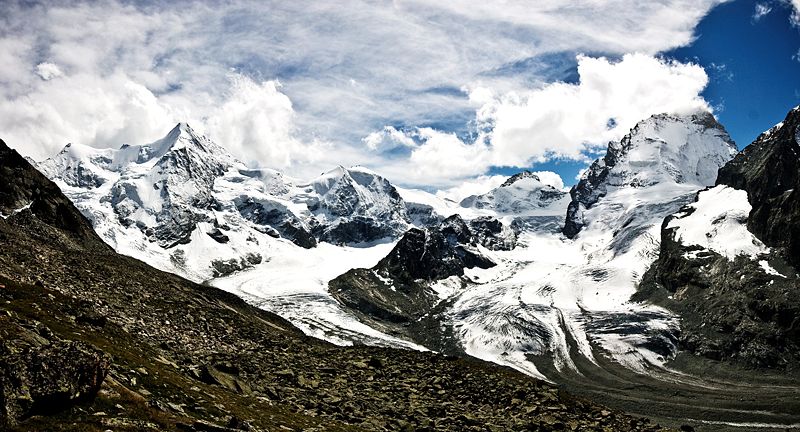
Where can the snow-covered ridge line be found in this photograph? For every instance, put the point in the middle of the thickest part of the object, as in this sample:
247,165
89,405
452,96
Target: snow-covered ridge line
21,209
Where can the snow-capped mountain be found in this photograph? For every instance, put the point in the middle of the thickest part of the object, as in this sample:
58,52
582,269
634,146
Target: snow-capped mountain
728,261
184,204
552,298
356,206
663,152
521,195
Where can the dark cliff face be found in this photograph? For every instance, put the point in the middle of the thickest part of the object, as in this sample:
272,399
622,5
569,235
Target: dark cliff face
24,187
397,289
731,310
769,170
736,309
587,192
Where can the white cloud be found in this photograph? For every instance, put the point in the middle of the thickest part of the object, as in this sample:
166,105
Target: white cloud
444,156
475,186
81,109
48,71
550,178
796,14
564,120
128,71
761,10
558,120
388,138
256,123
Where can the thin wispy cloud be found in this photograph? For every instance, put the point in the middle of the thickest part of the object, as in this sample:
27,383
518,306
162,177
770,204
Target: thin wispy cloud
761,10
303,85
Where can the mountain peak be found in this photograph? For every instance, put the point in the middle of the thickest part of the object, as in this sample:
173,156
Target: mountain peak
519,176
682,150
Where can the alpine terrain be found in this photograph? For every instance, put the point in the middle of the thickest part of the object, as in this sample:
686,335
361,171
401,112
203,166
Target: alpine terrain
664,282
94,341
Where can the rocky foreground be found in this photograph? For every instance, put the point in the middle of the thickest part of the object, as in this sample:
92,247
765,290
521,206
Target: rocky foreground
92,340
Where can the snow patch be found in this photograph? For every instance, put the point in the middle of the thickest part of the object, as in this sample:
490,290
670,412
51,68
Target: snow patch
21,209
717,221
768,269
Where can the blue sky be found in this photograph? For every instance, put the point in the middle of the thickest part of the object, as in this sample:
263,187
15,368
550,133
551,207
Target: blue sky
753,67
432,94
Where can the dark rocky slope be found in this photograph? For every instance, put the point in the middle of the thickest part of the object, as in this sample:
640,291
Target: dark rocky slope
769,170
735,310
189,357
396,296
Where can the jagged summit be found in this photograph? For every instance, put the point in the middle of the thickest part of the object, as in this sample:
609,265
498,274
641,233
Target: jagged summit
665,149
356,205
519,176
522,194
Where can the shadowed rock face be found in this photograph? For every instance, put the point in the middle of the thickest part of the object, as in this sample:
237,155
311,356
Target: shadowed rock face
397,291
23,186
769,170
742,309
730,310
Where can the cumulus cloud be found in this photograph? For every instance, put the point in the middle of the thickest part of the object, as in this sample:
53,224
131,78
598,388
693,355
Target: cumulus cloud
130,70
256,123
445,155
388,138
550,178
81,109
565,120
48,71
559,120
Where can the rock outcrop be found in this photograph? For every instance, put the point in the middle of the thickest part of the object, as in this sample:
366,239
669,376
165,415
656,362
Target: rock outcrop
769,170
728,262
399,290
47,379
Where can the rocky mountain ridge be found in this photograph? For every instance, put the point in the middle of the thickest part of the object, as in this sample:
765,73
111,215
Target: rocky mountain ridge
400,291
167,199
127,347
728,262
